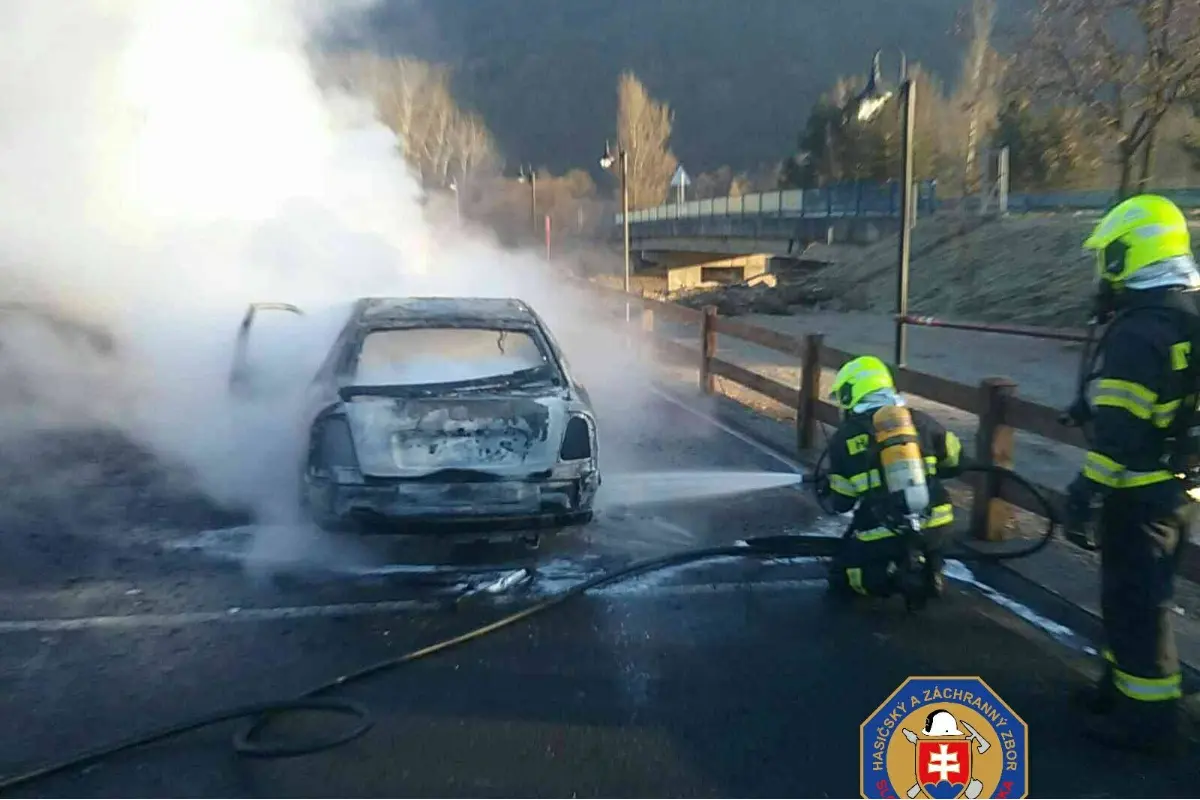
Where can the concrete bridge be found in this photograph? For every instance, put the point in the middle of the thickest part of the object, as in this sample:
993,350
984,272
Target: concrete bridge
728,239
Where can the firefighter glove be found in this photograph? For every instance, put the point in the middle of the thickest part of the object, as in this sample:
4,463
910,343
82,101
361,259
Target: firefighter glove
1080,512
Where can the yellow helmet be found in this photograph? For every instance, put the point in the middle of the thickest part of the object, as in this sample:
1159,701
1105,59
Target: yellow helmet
857,378
1140,231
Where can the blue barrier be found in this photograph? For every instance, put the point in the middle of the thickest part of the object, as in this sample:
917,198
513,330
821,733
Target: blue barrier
878,200
840,200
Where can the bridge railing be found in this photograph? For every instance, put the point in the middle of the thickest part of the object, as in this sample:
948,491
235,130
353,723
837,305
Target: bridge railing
880,200
840,200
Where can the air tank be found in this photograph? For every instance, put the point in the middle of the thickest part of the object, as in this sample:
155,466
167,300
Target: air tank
900,460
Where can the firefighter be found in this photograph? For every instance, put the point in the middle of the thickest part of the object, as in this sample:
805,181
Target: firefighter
881,554
1134,474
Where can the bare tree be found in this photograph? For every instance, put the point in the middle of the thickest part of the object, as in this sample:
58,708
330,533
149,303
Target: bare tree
740,185
1126,62
569,200
712,184
441,142
644,131
979,87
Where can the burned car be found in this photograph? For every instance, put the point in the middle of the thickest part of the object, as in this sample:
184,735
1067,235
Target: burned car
445,415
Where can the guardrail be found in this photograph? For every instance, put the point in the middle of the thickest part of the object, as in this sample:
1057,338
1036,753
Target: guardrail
880,200
841,200
994,402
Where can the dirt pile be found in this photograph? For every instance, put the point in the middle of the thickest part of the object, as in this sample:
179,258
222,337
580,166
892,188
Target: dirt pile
779,293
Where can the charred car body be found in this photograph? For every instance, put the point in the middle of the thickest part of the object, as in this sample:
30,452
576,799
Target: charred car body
445,415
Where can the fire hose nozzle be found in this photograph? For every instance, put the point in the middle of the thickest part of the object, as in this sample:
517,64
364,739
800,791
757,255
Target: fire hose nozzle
1076,415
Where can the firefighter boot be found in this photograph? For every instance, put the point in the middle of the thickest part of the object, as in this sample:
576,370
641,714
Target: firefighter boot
1100,697
1152,728
935,578
839,589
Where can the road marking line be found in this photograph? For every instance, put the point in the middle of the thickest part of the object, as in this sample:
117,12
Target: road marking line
793,465
132,621
203,617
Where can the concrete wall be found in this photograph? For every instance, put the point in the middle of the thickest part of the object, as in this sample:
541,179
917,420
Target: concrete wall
687,275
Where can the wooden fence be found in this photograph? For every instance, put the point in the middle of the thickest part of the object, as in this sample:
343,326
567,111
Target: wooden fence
994,402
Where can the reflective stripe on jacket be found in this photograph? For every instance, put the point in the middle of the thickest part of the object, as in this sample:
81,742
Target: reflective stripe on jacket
852,476
1138,393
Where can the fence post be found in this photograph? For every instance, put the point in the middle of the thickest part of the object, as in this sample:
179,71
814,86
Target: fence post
810,392
648,320
708,349
993,446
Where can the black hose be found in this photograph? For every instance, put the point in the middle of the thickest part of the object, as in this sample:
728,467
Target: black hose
968,551
1048,511
246,740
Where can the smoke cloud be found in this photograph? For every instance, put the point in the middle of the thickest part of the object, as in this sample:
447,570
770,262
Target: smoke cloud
165,162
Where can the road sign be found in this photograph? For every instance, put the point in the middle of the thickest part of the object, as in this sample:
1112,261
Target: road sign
680,178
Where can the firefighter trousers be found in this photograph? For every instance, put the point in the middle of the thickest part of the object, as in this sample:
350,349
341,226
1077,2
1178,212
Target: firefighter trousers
866,560
1140,553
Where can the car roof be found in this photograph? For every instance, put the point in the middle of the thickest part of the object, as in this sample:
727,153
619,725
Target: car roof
380,312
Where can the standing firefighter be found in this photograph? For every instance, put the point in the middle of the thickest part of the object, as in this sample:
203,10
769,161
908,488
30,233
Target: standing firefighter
1141,459
885,462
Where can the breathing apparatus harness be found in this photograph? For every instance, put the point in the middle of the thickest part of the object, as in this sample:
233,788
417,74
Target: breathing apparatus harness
896,508
901,502
1181,443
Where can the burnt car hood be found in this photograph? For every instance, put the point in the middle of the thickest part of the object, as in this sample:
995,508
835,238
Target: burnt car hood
503,435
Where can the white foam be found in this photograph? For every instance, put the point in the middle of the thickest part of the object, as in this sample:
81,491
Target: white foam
958,571
561,574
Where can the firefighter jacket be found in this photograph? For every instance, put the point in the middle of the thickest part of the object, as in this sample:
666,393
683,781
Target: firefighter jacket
853,476
1143,362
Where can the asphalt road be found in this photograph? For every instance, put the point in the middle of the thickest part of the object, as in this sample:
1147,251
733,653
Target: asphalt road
135,608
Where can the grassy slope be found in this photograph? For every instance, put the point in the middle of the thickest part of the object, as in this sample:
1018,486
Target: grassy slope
1027,269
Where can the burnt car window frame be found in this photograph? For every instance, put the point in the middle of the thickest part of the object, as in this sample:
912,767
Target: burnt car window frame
351,353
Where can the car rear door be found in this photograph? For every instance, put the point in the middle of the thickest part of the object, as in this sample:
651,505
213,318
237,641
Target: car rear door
246,377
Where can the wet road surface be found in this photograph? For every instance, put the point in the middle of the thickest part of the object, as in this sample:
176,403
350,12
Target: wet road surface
729,678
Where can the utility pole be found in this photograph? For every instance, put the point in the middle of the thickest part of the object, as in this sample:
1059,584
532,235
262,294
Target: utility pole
908,96
530,177
866,106
622,161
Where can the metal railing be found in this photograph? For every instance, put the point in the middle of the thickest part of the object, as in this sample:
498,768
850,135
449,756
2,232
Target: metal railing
841,200
880,200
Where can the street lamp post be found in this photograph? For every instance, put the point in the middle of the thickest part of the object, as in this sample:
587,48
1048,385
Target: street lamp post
530,177
869,102
606,161
908,98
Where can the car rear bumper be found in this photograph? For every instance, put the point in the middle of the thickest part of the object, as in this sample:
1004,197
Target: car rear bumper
481,508
372,522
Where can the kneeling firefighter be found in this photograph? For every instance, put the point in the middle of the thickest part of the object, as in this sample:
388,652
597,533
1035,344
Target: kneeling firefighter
1141,461
886,462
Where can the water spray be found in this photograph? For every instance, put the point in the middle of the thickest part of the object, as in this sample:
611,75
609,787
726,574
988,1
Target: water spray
645,488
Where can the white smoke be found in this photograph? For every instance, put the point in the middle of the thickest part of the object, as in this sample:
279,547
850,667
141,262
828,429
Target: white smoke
165,162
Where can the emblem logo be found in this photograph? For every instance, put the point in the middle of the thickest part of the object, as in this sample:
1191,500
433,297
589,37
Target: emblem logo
944,738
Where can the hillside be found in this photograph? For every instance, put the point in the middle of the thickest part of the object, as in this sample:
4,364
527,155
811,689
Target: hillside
741,76
1026,269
